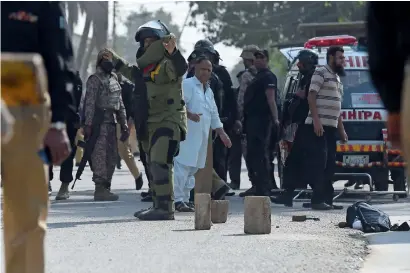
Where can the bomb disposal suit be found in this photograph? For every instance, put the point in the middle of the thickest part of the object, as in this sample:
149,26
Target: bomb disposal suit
165,123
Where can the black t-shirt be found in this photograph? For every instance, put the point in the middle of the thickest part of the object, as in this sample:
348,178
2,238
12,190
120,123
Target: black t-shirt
39,27
127,89
255,100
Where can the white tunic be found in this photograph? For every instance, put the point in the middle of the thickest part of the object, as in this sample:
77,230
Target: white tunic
193,149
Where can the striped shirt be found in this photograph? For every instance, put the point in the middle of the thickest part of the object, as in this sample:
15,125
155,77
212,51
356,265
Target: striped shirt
329,89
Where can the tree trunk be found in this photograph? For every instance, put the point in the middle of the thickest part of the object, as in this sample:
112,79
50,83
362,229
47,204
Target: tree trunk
83,43
100,26
86,62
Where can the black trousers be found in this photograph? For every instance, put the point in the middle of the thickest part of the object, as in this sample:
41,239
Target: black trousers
220,158
294,168
235,159
258,154
320,162
66,170
143,157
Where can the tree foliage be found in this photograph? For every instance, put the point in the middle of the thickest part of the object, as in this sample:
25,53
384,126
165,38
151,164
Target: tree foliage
264,23
134,20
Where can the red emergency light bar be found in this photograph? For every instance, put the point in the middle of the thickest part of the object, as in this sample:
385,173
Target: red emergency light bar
327,41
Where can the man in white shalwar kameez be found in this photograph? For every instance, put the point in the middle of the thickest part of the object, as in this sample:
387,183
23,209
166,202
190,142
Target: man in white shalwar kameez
202,114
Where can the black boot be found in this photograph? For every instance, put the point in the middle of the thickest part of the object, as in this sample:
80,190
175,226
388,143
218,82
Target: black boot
250,192
182,207
63,193
147,198
235,185
156,215
139,182
286,198
137,213
321,206
145,193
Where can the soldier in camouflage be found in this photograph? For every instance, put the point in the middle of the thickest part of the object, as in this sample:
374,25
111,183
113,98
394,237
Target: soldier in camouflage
162,66
104,92
244,77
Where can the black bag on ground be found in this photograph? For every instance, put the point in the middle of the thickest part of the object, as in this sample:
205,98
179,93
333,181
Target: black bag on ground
373,220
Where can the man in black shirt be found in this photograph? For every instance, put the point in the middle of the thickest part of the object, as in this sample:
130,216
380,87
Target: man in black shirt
73,124
124,148
38,30
261,121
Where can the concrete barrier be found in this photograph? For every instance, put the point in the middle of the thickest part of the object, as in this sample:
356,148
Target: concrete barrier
203,211
257,215
219,211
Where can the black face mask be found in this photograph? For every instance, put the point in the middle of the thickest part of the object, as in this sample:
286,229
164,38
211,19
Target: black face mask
107,66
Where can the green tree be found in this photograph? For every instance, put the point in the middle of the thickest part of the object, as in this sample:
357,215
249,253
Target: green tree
264,23
128,47
96,20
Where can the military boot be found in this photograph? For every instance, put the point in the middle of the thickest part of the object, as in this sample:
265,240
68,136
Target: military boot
156,214
137,213
63,193
147,198
139,182
101,193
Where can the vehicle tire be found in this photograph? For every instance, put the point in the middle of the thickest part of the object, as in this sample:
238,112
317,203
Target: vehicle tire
400,182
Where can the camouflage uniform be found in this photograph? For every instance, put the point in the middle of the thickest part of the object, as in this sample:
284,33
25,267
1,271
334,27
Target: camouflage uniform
104,92
166,123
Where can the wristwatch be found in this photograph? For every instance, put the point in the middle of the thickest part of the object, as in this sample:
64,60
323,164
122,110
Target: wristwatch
58,125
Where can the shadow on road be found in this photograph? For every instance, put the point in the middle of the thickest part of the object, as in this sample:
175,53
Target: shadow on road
97,222
185,230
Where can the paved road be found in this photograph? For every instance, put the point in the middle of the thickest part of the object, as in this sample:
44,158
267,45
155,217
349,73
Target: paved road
88,237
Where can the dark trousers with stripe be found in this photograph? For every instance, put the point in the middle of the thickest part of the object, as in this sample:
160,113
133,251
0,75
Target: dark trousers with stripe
320,162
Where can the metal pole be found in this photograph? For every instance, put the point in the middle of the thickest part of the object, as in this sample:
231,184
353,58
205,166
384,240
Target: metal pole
114,14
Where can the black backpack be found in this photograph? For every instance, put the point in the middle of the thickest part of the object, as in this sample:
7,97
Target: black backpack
373,220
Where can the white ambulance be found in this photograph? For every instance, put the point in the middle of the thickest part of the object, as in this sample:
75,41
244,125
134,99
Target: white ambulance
364,116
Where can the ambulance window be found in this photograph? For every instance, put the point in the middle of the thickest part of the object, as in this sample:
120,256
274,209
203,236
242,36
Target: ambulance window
358,91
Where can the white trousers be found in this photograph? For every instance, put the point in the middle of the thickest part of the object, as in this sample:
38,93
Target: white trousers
184,181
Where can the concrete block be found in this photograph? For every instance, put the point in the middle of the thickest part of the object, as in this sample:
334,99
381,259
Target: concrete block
257,215
203,211
219,211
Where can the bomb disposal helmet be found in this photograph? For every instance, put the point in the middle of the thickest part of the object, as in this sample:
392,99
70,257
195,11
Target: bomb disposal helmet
154,28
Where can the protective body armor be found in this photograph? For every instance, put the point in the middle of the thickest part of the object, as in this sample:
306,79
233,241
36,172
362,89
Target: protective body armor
163,87
165,97
110,96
